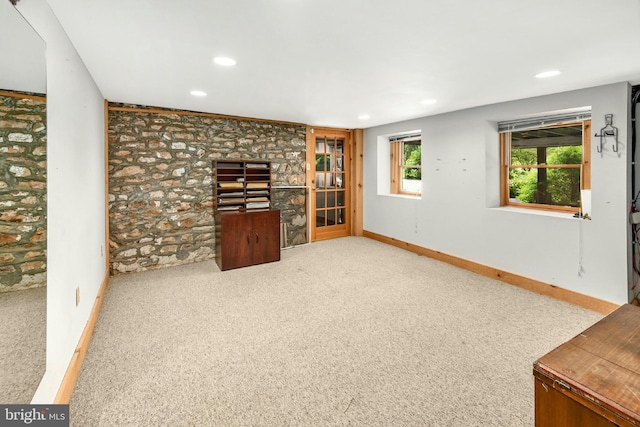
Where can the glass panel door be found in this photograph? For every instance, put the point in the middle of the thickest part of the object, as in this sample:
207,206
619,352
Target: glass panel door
330,185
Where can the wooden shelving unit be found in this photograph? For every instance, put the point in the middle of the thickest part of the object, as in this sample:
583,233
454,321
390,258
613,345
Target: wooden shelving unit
247,229
241,185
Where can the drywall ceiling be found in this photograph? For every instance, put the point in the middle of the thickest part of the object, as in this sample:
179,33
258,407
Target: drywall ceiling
22,61
327,62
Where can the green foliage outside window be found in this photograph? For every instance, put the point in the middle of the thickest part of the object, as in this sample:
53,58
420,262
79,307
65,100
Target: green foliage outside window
412,157
561,186
322,162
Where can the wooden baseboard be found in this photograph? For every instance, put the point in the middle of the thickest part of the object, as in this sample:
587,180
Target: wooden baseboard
71,376
536,286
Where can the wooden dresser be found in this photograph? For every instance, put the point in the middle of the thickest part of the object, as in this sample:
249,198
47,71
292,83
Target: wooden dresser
593,379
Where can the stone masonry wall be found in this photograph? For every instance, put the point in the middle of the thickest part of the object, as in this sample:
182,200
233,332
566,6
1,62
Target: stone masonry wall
23,204
161,185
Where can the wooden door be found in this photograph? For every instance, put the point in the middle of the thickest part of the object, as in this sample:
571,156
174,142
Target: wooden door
236,241
330,183
266,236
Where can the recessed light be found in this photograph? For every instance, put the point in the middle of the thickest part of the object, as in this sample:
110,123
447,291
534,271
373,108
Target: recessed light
364,117
224,61
198,93
428,101
546,74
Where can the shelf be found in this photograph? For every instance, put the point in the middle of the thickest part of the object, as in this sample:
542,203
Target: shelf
241,185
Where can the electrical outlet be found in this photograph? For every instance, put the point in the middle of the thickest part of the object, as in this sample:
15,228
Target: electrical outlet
101,250
78,296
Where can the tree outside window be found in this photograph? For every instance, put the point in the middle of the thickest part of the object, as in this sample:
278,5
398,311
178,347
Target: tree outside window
406,160
546,167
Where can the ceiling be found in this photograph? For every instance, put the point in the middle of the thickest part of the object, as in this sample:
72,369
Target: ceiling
327,62
22,63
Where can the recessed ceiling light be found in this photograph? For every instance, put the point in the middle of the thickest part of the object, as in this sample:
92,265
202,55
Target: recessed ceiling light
224,61
198,93
428,101
546,74
364,117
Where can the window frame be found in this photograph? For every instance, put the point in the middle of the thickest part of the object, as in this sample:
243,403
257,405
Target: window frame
397,165
585,168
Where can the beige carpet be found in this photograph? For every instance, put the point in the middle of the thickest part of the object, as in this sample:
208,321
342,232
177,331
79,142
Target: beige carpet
22,344
348,332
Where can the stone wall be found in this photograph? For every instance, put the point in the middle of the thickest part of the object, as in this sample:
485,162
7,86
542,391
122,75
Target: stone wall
160,181
23,204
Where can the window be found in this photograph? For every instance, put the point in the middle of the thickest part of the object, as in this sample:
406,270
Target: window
406,159
546,162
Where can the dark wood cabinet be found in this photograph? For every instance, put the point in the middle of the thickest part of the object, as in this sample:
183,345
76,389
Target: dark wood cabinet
593,380
247,229
247,238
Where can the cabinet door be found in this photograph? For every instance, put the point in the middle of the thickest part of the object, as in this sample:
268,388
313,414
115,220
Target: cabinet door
266,236
237,241
556,409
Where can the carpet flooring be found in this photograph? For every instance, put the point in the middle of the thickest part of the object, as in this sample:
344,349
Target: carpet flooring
346,332
22,344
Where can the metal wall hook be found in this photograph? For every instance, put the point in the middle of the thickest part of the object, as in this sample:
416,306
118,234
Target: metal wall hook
608,131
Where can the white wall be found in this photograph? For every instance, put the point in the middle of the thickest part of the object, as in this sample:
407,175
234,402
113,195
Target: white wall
75,194
459,212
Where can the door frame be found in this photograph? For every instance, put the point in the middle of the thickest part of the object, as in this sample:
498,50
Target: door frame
354,189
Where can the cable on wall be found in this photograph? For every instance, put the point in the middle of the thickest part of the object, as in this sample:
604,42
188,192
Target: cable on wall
635,99
580,250
635,239
634,211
